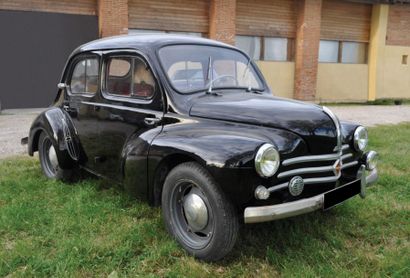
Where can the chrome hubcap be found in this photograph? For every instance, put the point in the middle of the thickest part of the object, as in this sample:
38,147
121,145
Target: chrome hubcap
195,211
52,156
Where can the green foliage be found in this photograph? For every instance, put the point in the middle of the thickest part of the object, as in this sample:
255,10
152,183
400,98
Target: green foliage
48,228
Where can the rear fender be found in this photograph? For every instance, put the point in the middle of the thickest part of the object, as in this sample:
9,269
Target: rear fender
60,129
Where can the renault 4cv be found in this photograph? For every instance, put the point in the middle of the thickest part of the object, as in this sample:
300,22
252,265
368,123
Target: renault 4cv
189,124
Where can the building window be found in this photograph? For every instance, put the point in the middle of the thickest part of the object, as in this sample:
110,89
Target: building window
266,48
342,52
275,49
328,51
353,52
154,32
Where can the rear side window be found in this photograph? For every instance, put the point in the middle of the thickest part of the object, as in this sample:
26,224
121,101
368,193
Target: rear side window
129,77
84,79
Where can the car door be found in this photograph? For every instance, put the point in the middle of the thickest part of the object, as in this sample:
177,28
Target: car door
82,85
131,106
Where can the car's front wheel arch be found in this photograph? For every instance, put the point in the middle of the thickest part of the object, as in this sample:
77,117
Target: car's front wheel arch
161,172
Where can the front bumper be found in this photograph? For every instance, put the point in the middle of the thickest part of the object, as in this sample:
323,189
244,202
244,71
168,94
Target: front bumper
275,212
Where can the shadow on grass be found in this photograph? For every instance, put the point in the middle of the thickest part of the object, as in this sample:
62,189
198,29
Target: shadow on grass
285,239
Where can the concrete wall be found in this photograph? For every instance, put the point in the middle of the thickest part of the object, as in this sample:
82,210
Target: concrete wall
388,77
336,82
342,82
396,76
280,77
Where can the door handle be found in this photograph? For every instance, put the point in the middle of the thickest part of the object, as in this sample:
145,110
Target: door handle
97,108
152,121
69,109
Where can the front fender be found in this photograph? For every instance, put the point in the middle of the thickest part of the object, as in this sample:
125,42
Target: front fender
225,149
59,127
348,129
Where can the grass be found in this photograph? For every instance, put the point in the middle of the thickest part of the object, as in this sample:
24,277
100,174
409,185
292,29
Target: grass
48,228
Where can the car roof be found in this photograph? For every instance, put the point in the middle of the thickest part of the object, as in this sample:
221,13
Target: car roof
144,41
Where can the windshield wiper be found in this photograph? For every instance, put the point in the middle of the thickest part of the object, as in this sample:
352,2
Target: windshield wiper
213,93
255,91
210,75
245,75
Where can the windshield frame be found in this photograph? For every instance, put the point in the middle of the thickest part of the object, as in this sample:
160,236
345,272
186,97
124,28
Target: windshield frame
252,64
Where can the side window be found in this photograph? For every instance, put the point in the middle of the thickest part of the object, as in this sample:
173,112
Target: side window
119,72
129,77
84,79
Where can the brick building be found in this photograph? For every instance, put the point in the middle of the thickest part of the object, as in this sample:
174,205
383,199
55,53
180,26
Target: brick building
316,50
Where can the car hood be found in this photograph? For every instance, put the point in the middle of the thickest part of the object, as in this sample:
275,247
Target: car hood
306,120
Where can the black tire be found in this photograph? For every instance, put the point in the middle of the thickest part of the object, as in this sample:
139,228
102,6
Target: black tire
50,167
217,238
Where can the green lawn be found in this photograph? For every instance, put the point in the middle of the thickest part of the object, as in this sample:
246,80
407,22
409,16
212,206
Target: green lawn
88,229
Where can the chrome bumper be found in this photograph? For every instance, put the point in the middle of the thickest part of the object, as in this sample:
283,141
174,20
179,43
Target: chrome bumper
372,177
275,212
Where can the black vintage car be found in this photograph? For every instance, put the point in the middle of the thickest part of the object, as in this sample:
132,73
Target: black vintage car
190,124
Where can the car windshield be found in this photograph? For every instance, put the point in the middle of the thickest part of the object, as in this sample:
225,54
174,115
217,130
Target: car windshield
195,68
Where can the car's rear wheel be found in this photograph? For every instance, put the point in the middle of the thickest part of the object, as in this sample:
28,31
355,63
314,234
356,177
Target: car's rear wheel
197,213
49,161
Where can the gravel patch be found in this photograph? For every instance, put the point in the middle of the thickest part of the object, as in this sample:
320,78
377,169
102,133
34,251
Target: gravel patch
372,115
15,123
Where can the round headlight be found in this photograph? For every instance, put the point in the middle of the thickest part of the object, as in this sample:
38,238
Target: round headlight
371,160
360,138
267,160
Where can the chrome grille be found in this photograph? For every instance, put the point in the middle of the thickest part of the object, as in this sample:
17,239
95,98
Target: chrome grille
344,156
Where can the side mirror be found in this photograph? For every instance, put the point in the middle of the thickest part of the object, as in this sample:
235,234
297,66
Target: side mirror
62,85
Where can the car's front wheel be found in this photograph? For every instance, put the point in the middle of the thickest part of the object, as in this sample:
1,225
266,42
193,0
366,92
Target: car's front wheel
49,161
197,213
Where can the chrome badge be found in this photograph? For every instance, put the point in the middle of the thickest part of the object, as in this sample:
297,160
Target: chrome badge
337,168
296,186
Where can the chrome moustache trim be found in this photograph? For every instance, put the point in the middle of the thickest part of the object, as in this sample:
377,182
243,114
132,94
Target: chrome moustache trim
315,158
312,158
321,169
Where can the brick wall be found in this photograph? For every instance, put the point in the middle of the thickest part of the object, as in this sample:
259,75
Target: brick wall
398,26
307,48
85,7
222,20
112,17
